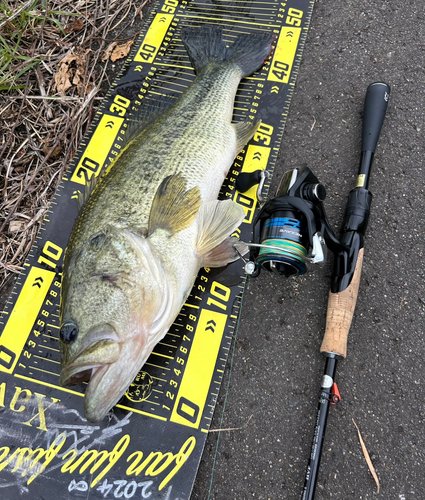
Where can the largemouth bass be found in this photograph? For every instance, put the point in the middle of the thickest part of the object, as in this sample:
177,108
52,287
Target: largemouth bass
152,222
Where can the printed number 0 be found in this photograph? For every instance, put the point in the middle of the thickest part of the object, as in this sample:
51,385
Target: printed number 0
188,410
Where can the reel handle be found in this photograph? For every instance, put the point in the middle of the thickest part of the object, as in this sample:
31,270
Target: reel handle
341,307
246,180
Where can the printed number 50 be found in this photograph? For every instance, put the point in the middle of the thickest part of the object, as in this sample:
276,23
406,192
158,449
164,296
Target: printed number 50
294,17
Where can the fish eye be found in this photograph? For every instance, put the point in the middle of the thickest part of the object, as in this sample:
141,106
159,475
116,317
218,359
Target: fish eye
68,332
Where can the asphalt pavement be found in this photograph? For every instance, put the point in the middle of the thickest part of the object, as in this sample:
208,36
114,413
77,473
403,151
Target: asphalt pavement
269,394
272,394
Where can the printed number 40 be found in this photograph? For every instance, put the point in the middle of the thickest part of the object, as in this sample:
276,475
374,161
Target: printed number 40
280,69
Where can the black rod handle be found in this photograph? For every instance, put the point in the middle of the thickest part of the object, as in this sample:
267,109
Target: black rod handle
375,107
325,399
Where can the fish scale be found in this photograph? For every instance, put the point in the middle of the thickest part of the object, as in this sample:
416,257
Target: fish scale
178,141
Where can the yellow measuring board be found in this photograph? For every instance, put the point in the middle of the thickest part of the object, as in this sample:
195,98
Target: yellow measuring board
199,370
154,38
23,316
97,151
284,55
166,413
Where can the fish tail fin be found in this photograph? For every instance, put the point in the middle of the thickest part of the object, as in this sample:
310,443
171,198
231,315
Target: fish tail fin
205,45
250,51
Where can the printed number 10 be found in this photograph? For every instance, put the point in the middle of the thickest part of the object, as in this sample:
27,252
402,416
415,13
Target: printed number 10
221,292
50,250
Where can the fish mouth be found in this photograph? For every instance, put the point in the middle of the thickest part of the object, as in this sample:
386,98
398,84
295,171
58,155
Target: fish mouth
87,365
109,367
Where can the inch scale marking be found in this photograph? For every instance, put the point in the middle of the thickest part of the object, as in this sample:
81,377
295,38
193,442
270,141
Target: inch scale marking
172,400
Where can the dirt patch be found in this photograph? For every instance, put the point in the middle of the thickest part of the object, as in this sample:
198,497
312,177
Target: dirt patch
56,65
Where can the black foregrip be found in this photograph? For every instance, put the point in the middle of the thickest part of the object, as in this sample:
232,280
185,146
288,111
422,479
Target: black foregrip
357,211
375,107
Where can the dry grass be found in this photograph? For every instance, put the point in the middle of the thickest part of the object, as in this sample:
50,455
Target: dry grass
52,79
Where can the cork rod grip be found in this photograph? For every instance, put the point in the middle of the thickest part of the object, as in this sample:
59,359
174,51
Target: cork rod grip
340,313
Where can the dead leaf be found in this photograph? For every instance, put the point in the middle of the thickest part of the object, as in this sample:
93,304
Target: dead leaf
108,51
16,226
121,51
77,25
55,153
367,457
64,74
72,70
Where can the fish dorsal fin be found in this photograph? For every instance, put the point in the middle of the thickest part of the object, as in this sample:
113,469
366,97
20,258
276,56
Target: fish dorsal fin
174,207
244,132
149,111
217,220
82,197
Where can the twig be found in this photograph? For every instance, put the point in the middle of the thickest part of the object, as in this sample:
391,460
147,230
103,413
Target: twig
27,185
367,457
232,428
16,14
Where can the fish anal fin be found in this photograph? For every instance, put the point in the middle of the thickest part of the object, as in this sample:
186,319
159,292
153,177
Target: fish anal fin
244,132
217,220
174,207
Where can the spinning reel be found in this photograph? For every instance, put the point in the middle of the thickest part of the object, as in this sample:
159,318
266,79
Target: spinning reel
291,231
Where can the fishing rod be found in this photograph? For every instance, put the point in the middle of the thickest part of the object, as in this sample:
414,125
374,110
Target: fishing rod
346,274
292,231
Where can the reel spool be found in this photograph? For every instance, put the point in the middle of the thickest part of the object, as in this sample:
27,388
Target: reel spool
288,230
290,236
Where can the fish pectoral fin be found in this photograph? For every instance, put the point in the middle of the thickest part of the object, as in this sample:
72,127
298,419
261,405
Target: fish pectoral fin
217,220
244,132
174,208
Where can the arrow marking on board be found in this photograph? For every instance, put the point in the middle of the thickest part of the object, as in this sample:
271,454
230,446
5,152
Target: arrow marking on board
37,282
211,326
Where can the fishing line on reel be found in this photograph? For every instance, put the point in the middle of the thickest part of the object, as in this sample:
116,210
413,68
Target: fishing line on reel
287,233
